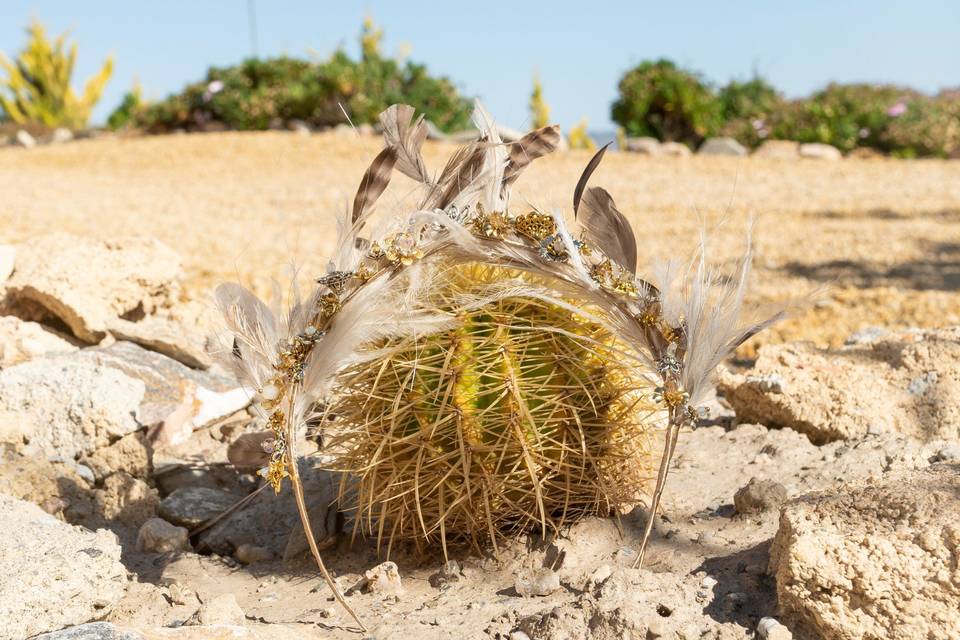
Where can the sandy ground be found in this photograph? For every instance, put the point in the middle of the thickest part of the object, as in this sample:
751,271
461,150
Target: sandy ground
879,239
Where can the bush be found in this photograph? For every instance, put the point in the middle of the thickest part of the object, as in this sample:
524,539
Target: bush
747,107
924,127
38,88
130,105
660,100
257,93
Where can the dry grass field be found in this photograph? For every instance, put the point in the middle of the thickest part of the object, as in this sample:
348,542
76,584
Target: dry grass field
880,237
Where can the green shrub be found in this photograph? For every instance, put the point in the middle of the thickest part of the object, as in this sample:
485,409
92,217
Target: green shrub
746,109
925,127
125,113
843,115
256,93
37,85
660,100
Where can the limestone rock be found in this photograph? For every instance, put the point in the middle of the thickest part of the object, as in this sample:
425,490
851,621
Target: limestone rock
778,149
126,499
192,506
156,535
645,145
184,333
383,579
873,562
52,574
251,554
537,582
24,139
197,397
820,151
130,454
92,631
21,341
88,283
759,495
61,135
722,147
906,382
222,609
56,487
66,406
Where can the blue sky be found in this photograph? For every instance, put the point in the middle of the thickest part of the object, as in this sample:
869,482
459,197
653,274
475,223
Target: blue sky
492,48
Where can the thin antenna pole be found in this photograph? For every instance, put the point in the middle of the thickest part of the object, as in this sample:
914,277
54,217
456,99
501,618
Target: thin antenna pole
252,18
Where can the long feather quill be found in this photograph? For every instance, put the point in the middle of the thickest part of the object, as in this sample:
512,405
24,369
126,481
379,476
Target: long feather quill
374,181
607,228
585,176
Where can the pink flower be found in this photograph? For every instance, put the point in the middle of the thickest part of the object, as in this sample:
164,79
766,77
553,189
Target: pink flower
898,109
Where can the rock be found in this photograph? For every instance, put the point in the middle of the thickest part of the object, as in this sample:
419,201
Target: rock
61,135
8,256
601,573
250,451
251,554
771,629
366,129
537,582
66,406
721,147
52,574
24,139
192,506
21,341
156,535
778,149
89,283
867,335
222,609
273,523
383,579
906,382
948,453
299,127
758,496
819,151
645,146
449,572
675,149
875,561
126,499
184,333
56,487
92,631
518,635
130,454
199,398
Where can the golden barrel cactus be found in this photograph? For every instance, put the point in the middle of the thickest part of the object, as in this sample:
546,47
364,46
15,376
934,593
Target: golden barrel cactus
477,368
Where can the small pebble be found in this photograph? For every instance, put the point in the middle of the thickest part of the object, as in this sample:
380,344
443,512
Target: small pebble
537,582
758,496
251,553
518,635
156,535
708,582
601,573
222,609
949,453
771,629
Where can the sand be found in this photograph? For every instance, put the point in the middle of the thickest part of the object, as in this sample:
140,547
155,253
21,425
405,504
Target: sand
870,242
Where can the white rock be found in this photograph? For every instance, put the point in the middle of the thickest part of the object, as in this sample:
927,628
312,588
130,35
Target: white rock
251,553
819,151
24,139
90,283
645,145
61,135
220,610
65,406
721,147
92,631
771,629
52,574
8,256
382,579
537,582
877,561
159,536
21,341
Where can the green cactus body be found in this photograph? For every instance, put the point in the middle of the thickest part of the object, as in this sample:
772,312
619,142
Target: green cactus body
523,416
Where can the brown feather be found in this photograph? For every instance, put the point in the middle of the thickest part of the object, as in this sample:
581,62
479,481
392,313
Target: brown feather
607,229
375,180
585,176
462,169
534,145
406,136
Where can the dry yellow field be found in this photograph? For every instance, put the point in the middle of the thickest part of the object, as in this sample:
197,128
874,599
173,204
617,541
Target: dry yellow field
881,236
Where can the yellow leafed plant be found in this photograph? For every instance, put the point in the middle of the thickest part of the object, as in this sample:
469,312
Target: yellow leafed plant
37,88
